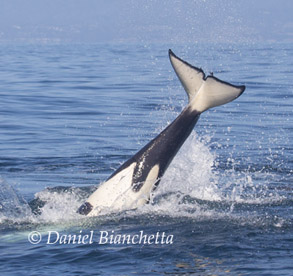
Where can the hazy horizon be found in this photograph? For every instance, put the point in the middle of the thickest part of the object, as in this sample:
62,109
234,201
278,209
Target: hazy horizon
92,21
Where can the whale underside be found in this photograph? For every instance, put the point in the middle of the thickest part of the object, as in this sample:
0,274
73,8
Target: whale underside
131,185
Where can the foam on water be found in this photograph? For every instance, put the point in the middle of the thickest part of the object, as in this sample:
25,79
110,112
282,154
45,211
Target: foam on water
191,172
194,186
13,208
59,206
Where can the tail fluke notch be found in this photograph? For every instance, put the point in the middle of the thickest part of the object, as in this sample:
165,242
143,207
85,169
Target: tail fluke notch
203,92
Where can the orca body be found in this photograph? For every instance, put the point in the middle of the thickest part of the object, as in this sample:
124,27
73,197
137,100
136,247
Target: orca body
130,185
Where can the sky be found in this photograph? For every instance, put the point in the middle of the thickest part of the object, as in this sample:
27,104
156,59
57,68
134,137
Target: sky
145,21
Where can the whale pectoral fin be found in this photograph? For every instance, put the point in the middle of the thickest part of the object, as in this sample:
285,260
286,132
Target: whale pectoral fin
215,92
190,77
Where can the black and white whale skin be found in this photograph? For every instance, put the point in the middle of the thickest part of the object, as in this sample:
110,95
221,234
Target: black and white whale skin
130,185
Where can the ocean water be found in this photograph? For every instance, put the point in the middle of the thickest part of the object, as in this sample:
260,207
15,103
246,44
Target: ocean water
71,114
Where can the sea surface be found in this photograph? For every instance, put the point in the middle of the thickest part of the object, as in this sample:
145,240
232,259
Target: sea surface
71,114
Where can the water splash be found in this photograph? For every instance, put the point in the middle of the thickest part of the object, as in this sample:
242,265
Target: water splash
13,207
194,186
59,205
191,172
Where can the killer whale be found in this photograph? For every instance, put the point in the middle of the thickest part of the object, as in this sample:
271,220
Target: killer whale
131,184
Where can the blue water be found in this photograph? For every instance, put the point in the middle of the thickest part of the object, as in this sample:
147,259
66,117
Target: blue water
71,114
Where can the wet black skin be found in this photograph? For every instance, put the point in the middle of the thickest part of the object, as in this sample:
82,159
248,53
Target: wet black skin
162,149
159,151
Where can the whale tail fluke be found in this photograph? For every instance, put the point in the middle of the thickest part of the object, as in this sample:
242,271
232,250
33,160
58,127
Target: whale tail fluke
215,92
203,92
190,77
132,183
